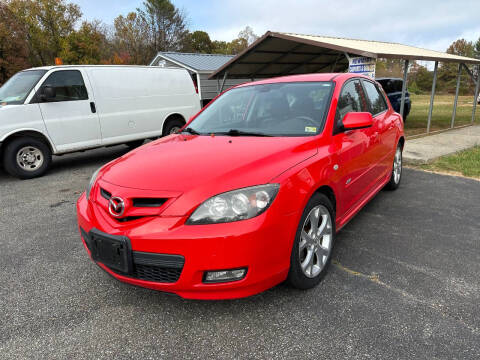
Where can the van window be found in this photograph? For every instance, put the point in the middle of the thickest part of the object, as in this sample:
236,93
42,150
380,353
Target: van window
68,84
376,100
352,99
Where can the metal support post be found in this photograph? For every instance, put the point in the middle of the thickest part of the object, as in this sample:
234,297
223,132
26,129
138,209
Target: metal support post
404,86
475,99
454,114
432,97
223,81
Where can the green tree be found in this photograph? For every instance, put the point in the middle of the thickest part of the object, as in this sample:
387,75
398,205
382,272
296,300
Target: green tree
167,25
198,42
85,46
47,23
447,74
13,46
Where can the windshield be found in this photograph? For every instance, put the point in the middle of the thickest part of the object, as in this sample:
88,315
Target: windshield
280,109
16,90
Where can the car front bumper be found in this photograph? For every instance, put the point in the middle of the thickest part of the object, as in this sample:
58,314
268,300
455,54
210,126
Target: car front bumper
262,245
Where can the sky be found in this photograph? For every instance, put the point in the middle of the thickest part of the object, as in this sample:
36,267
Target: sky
424,23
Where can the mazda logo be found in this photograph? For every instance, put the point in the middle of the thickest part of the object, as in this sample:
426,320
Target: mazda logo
116,206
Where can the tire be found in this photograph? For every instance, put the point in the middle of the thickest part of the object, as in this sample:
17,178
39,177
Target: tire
27,158
134,144
299,276
172,126
396,177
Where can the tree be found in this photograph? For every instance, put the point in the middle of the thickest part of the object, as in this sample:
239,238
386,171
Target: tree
13,46
447,74
198,42
131,37
167,25
85,46
476,49
248,35
48,23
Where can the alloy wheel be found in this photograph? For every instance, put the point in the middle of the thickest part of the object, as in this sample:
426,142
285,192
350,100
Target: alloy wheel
397,165
315,243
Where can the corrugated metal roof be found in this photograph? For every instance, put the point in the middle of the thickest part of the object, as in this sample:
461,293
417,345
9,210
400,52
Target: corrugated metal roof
198,62
276,54
380,49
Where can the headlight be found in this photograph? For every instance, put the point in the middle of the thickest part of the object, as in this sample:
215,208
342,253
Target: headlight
90,184
235,205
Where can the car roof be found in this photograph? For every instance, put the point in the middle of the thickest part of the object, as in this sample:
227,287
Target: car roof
305,78
89,66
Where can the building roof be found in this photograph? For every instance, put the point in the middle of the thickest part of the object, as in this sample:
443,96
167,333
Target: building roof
277,53
197,62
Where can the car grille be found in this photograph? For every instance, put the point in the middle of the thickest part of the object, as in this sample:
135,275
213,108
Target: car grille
155,267
157,274
138,202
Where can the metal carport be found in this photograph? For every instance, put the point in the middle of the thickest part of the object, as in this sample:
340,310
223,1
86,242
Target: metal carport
278,54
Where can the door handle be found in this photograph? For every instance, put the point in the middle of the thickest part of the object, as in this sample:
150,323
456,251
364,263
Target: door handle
92,107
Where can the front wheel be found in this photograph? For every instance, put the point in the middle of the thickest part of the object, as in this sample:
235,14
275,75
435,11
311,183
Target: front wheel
396,175
27,158
313,245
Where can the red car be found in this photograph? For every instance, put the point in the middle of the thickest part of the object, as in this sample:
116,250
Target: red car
250,193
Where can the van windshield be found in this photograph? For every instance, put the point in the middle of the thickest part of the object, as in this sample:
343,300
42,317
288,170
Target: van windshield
16,90
279,109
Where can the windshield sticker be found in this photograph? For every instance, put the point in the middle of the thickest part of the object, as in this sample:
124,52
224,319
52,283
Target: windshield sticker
310,129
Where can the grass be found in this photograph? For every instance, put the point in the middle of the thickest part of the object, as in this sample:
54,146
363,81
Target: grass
442,113
466,163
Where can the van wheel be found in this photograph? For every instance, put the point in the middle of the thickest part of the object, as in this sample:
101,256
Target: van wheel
172,126
134,144
27,158
313,244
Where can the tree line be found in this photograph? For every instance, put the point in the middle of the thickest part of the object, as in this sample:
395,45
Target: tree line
35,32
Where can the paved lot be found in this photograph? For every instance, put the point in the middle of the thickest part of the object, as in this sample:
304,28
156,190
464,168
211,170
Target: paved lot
405,284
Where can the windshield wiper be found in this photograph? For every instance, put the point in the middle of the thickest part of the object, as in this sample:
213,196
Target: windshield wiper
191,131
236,132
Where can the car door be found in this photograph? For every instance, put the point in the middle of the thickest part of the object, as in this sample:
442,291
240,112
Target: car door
384,129
70,116
353,148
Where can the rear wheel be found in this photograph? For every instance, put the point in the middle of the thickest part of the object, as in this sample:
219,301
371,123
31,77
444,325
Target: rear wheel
313,245
27,158
396,175
173,125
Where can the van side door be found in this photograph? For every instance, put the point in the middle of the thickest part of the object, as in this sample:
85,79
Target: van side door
69,110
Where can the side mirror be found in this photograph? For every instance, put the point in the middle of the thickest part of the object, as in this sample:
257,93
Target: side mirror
48,93
357,120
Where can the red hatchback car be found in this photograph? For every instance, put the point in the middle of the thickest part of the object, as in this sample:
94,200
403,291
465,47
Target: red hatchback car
250,193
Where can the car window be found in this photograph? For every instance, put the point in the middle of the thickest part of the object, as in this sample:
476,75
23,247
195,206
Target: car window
376,100
68,84
277,109
352,99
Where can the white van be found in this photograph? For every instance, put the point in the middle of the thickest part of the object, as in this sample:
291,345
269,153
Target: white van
61,109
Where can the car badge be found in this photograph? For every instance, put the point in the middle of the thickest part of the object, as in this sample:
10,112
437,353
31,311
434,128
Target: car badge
116,206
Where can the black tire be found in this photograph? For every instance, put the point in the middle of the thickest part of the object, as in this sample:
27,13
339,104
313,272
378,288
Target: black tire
296,276
172,125
394,182
29,170
134,144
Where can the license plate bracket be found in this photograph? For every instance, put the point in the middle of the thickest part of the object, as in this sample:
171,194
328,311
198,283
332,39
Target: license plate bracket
111,250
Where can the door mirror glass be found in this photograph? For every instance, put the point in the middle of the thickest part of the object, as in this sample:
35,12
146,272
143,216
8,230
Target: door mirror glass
48,93
357,120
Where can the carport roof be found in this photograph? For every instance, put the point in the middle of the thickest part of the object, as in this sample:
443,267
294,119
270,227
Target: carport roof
277,53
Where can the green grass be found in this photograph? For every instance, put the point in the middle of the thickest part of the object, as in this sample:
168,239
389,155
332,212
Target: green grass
442,113
466,163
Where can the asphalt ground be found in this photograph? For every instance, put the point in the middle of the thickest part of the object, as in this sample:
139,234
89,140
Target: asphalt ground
404,284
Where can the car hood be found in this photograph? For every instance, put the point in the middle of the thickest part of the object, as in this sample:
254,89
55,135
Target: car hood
207,165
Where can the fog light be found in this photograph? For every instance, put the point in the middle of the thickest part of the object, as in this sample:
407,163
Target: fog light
224,275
